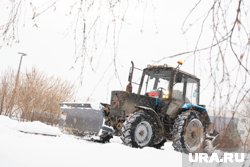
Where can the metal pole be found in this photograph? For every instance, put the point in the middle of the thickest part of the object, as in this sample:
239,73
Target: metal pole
19,67
11,104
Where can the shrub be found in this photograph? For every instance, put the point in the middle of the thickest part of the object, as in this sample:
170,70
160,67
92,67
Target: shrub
34,97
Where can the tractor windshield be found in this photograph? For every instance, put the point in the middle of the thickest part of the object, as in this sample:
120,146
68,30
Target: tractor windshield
169,83
155,84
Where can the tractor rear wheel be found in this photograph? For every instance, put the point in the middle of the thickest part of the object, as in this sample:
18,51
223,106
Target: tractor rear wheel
188,133
139,131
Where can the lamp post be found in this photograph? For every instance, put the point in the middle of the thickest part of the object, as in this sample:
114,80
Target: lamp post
11,104
19,67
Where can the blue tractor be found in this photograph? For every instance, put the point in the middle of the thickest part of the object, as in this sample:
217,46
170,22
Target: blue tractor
162,105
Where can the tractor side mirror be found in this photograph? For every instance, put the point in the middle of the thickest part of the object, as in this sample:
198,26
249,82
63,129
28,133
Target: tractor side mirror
178,78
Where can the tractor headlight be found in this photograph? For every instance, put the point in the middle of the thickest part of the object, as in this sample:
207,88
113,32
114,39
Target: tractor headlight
165,94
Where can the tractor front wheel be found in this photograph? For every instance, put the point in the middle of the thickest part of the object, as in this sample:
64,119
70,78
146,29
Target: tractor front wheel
139,130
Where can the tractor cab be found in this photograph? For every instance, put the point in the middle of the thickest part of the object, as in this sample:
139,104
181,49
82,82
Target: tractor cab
167,83
163,104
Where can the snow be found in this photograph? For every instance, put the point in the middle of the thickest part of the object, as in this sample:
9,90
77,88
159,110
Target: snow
19,149
30,127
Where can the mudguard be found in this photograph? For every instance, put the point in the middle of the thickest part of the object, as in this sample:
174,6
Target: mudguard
188,106
153,114
202,110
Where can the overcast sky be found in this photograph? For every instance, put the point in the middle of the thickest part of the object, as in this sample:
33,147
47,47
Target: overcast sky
150,32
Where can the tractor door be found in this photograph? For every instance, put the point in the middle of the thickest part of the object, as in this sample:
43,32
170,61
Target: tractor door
185,90
192,90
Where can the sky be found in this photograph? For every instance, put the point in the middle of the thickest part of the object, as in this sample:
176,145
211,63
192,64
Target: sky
151,30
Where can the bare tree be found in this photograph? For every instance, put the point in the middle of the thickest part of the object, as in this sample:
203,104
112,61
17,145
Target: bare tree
95,23
225,25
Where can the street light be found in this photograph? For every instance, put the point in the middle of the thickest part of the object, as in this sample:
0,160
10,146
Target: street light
11,104
19,67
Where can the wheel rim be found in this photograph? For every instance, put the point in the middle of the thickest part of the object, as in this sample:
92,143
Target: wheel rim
143,133
194,135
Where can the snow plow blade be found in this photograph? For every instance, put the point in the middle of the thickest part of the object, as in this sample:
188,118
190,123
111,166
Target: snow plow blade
82,120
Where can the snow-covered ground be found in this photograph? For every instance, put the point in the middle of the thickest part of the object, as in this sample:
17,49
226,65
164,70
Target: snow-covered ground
18,149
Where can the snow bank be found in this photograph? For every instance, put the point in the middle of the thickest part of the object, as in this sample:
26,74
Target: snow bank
29,127
19,149
26,150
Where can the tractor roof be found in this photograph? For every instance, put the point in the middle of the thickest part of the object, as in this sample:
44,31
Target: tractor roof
164,71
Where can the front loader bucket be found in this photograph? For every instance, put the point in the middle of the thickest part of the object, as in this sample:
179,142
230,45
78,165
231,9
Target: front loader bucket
82,120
